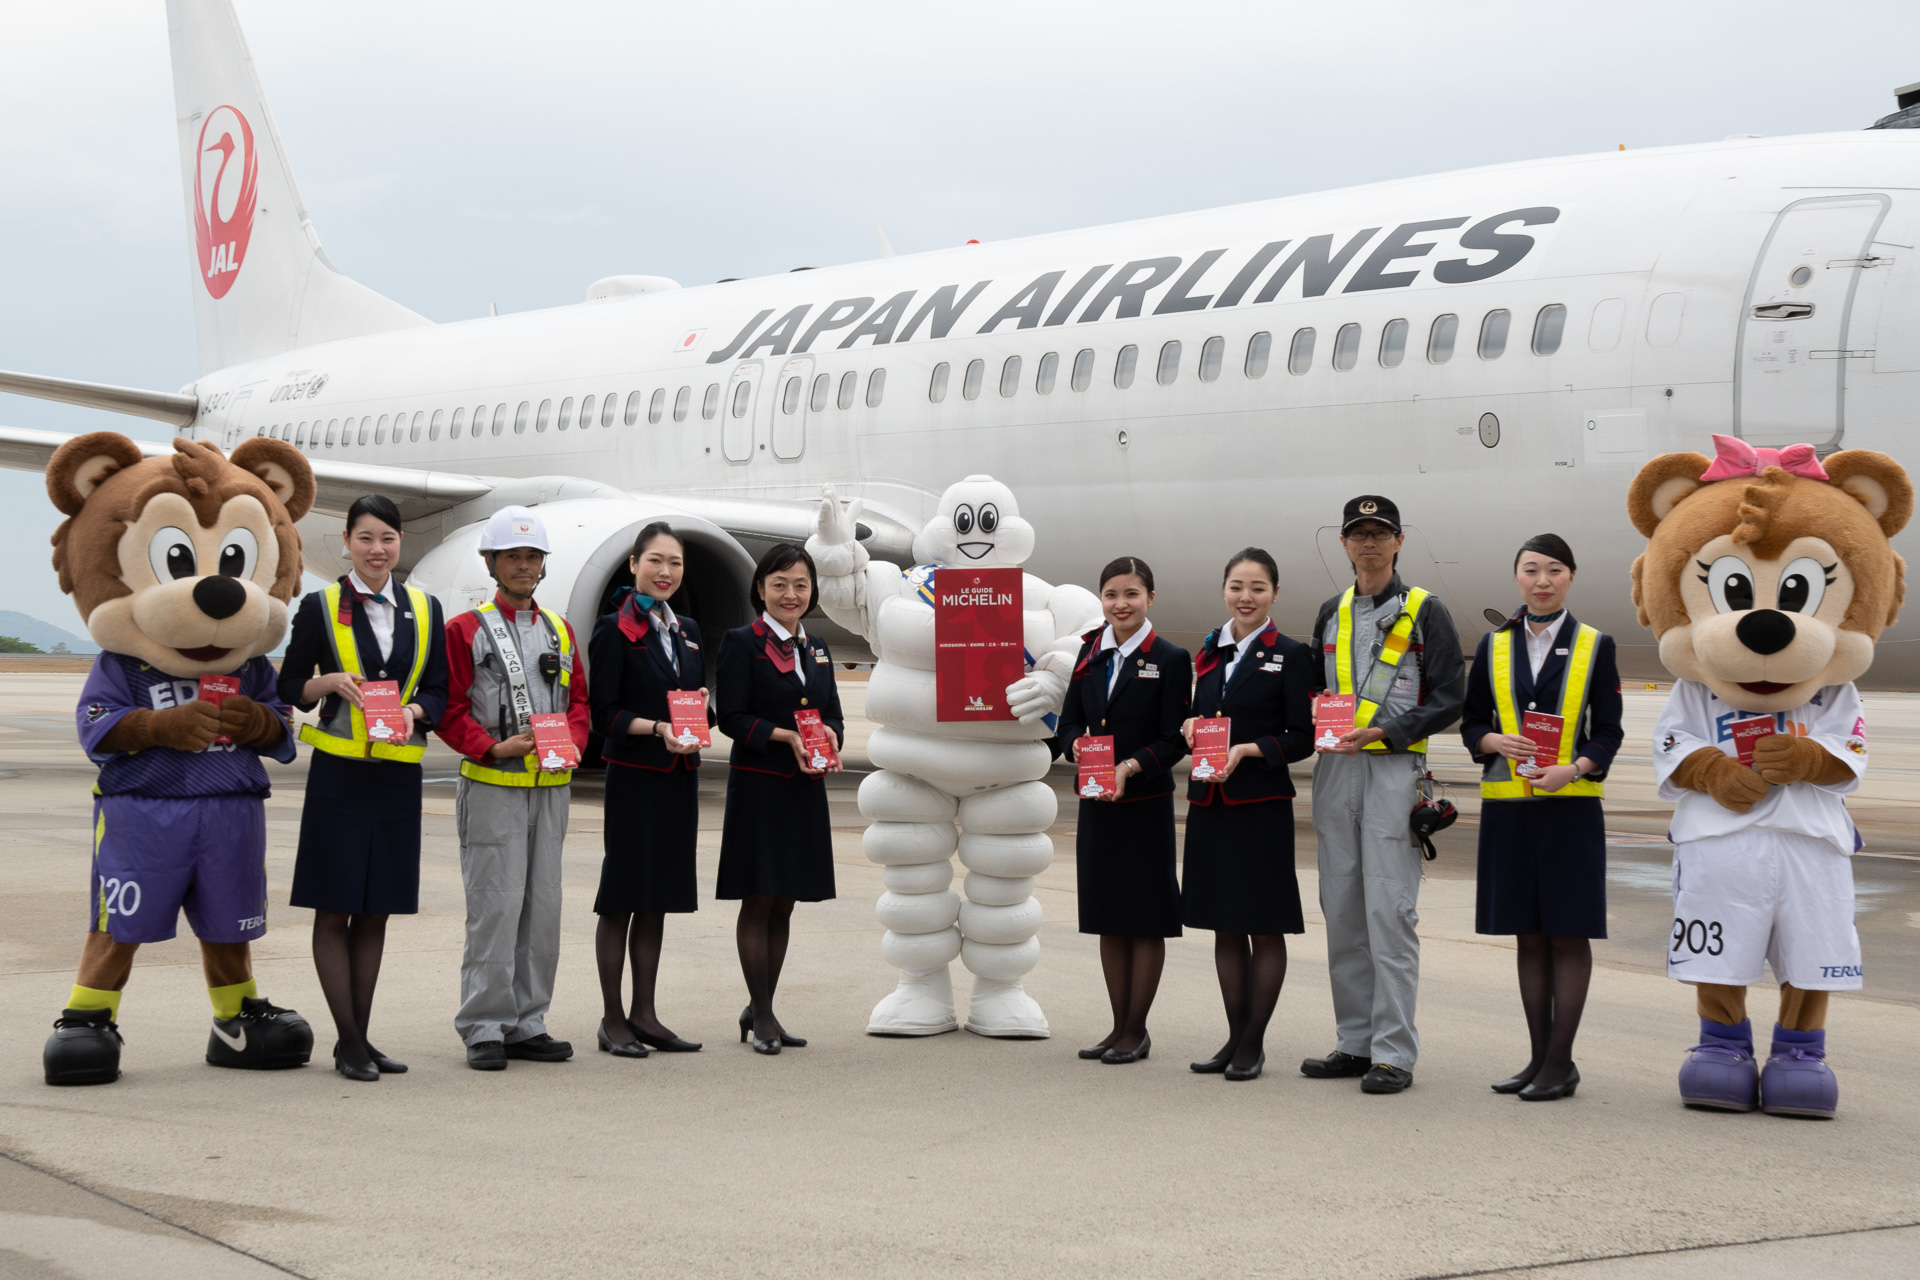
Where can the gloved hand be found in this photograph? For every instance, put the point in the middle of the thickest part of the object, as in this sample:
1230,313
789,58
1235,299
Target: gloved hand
1713,772
249,724
191,726
1784,758
1036,695
834,546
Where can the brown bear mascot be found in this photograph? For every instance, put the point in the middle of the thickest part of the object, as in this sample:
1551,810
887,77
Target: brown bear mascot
182,567
1768,578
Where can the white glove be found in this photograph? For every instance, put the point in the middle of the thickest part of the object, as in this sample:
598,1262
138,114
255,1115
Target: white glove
833,546
1037,695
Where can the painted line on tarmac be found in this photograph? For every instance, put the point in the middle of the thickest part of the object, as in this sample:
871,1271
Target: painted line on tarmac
148,1213
1661,1253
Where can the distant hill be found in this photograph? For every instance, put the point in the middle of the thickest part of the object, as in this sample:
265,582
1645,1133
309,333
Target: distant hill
23,626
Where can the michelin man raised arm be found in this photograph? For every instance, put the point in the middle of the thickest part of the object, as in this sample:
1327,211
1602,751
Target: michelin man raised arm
987,775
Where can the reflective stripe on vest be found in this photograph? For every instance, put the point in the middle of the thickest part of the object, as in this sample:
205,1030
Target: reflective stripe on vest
346,733
1392,649
1500,781
523,772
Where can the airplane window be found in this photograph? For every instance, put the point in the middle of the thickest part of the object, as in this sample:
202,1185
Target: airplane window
1123,366
586,413
1259,347
1169,367
1393,344
433,428
657,407
609,405
1211,353
459,421
419,425
710,402
680,403
1048,374
331,424
1547,328
1346,347
380,430
849,383
399,426
520,418
1493,333
500,418
633,408
876,387
976,374
1300,354
790,396
566,415
1010,377
817,398
1083,370
1440,338
936,385
544,416
741,392
300,436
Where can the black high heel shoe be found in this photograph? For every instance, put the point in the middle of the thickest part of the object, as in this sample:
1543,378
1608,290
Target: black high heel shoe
633,1049
746,1025
387,1066
1552,1092
1249,1073
1096,1052
1114,1058
665,1044
1215,1065
1515,1083
362,1071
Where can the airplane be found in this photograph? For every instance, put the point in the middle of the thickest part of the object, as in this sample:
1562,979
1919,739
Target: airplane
1496,349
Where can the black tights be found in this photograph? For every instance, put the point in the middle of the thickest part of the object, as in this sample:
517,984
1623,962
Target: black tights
1252,969
761,936
614,939
346,954
1554,973
1132,967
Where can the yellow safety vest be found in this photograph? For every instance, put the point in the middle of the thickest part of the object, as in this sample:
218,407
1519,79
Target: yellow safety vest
1392,649
1500,782
529,774
346,733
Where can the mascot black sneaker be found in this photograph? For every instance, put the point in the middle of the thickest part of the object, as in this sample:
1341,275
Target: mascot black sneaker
263,1037
83,1049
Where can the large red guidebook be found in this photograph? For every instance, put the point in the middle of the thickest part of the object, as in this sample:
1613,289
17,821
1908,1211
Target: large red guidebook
978,648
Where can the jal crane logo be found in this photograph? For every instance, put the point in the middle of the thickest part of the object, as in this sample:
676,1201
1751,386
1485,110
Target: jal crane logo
226,190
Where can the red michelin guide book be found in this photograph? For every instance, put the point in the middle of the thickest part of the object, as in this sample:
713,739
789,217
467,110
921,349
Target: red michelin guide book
815,739
978,648
1544,728
689,709
1094,755
217,689
1212,740
1747,735
380,704
553,748
1333,718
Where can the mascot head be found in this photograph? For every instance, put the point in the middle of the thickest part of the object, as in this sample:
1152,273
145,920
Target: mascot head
185,562
1768,575
977,523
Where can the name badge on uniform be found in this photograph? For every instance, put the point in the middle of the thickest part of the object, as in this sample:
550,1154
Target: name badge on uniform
690,644
1149,671
822,659
1271,666
1559,653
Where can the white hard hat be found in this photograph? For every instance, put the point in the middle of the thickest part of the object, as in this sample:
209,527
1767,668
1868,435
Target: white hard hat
514,527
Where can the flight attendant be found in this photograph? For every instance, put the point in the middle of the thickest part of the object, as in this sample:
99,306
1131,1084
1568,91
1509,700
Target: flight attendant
1133,686
639,653
1543,840
359,855
1240,880
776,845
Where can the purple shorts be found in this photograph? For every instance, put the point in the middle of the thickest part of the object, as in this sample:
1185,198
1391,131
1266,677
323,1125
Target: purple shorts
154,856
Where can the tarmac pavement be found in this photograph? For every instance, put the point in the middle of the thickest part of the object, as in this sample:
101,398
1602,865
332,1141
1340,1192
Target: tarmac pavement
953,1155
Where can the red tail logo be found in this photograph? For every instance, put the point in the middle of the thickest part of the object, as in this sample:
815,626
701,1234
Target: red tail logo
226,187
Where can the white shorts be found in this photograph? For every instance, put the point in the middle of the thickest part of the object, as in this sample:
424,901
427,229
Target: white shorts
1760,897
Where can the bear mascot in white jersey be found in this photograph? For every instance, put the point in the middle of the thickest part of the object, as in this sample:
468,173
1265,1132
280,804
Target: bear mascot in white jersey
988,774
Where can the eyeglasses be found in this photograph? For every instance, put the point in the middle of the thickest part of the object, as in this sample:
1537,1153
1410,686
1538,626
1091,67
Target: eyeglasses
1370,535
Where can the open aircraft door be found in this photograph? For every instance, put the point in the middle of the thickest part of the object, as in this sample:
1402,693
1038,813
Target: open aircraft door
1796,347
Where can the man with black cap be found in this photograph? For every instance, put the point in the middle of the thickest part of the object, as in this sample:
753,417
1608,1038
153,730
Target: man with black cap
1395,647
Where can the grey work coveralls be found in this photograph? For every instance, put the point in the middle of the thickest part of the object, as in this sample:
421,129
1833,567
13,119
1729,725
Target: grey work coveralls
1369,862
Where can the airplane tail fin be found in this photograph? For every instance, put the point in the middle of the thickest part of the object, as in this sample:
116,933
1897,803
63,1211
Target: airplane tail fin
261,282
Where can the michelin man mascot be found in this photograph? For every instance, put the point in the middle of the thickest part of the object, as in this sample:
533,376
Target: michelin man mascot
1768,578
987,775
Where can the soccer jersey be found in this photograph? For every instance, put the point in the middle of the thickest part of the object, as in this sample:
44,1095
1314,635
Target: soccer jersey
119,684
1694,718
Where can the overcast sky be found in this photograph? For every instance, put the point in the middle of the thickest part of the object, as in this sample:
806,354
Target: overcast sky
454,155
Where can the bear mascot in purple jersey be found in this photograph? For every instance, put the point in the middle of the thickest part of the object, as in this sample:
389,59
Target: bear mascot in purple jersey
181,566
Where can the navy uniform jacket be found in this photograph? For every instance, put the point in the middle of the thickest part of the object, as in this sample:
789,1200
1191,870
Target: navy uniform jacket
310,652
1597,737
631,675
1268,702
1144,714
755,697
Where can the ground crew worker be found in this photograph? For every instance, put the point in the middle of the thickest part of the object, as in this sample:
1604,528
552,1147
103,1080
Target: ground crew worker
508,661
1396,648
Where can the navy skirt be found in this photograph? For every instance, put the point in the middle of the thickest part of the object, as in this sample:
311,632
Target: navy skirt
1124,866
1543,867
652,826
776,838
359,837
1239,869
